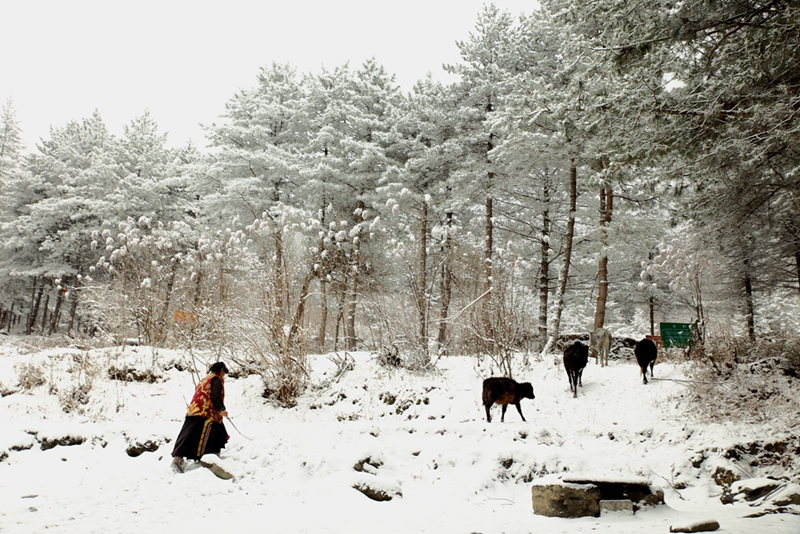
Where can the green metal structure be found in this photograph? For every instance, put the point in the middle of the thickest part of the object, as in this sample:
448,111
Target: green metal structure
678,335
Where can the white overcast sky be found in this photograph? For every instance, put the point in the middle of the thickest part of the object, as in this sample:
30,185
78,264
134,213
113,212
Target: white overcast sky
183,59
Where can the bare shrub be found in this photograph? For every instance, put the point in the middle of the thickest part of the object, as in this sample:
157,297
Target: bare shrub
737,380
5,391
74,398
389,356
76,395
266,340
30,376
344,363
500,320
392,328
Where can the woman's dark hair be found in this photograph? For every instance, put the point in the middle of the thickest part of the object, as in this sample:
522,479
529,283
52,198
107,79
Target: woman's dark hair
218,368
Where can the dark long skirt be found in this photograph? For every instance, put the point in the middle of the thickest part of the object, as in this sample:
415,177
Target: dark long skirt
200,436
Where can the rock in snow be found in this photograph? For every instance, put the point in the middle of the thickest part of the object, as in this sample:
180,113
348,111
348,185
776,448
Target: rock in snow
696,526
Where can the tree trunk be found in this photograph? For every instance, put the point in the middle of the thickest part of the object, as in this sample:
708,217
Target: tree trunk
73,308
341,296
198,289
606,208
652,315
281,298
161,328
323,312
352,302
487,303
488,246
45,315
748,295
488,243
56,312
10,318
422,289
35,308
445,287
299,313
544,276
355,275
797,266
563,277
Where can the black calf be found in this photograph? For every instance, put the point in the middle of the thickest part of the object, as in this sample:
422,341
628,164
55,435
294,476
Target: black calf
504,391
646,353
575,358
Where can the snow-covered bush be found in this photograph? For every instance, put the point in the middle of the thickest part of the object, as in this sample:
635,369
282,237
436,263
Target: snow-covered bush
30,376
735,379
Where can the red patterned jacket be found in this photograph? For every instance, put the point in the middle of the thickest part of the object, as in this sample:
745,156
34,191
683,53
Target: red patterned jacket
209,399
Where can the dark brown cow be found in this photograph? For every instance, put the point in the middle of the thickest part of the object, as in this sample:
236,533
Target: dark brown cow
646,353
575,359
504,391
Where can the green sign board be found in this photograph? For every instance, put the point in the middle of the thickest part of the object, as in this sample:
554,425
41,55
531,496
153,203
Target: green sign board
678,335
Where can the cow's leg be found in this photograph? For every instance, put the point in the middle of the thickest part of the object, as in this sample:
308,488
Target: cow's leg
488,414
503,413
652,364
580,378
519,409
644,374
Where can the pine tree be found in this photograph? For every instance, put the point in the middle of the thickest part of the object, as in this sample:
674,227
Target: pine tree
72,192
712,88
11,146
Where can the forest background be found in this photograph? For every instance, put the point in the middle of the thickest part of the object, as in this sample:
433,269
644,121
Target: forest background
630,164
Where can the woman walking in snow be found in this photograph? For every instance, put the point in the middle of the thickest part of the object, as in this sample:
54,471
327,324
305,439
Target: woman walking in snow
203,431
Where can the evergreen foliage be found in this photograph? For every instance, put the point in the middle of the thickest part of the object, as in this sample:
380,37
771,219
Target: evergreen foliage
333,211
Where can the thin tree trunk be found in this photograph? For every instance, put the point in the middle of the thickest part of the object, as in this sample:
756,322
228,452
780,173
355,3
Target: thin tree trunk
281,298
422,289
488,247
445,287
162,326
35,309
750,308
352,303
56,312
10,318
563,277
355,274
487,303
45,315
73,309
297,320
652,315
489,238
797,266
544,277
606,208
488,242
341,296
323,312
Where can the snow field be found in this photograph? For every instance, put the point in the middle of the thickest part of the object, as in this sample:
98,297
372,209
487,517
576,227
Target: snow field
421,438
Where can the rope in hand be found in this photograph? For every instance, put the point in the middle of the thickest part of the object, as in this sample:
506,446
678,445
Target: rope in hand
237,429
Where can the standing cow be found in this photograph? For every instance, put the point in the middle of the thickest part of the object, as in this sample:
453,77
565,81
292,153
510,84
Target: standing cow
575,358
646,353
599,346
504,391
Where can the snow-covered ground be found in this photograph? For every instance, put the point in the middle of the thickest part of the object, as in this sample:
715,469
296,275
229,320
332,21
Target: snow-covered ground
66,445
